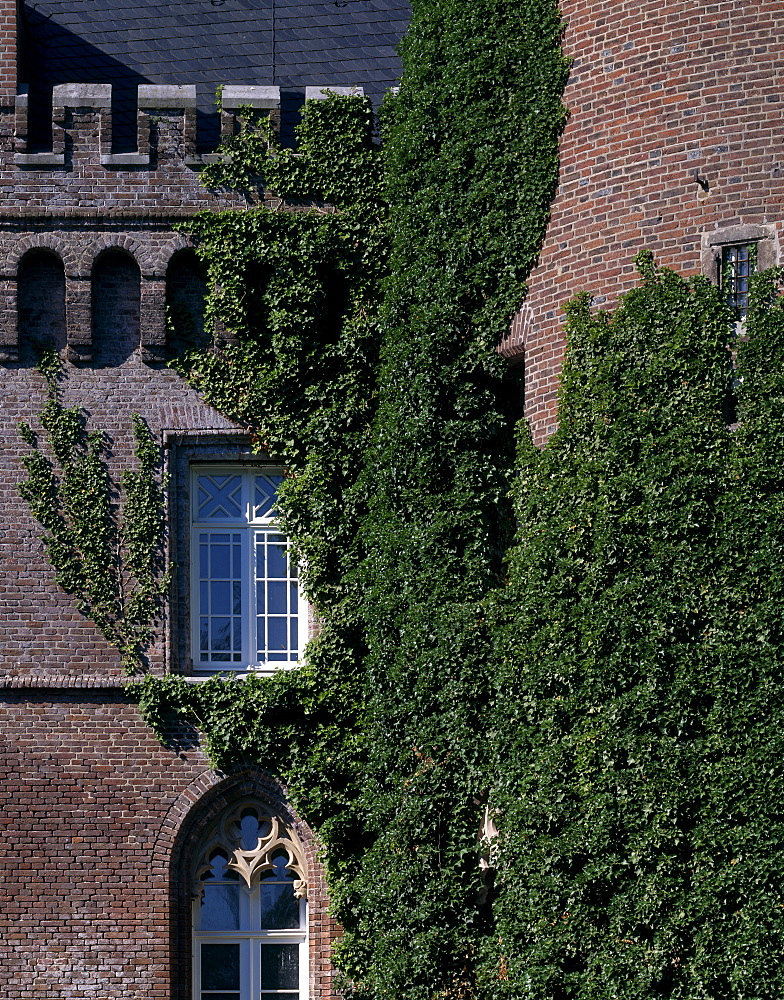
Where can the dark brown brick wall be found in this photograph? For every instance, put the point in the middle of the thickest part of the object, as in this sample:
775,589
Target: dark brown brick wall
659,96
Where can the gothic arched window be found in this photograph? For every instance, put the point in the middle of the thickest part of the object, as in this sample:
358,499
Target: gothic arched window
249,910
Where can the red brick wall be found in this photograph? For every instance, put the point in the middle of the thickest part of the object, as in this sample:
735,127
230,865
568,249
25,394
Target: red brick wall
8,52
93,811
657,92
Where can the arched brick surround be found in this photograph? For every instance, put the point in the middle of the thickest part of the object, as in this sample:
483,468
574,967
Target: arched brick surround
189,815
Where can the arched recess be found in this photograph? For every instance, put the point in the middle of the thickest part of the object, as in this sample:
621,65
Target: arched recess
186,291
116,307
240,837
40,304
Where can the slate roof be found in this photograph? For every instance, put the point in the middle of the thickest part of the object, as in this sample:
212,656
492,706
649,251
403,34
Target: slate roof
292,43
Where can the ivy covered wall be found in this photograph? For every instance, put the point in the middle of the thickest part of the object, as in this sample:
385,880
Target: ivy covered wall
605,687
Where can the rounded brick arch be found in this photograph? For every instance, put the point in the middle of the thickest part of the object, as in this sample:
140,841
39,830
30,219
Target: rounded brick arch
134,248
206,796
41,241
172,246
187,819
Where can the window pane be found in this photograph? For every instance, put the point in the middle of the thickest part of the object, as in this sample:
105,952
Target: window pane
279,908
219,557
276,634
219,497
221,633
265,495
277,562
279,966
220,908
221,599
220,966
276,598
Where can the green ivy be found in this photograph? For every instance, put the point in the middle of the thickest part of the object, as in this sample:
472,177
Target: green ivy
359,332
638,690
112,565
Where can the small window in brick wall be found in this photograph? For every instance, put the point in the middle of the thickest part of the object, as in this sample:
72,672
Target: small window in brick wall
737,263
40,304
730,256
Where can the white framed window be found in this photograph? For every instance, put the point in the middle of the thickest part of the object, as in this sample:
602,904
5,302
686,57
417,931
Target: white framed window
247,611
249,912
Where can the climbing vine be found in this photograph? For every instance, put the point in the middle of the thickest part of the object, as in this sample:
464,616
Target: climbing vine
111,563
358,341
637,685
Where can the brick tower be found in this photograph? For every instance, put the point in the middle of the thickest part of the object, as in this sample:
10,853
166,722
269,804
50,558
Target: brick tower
674,143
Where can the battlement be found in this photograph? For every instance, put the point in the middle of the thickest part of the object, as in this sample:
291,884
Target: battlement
166,123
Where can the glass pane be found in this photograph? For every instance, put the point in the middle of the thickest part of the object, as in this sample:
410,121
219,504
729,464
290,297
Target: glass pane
230,996
220,966
220,591
276,598
220,908
220,497
221,633
277,562
279,996
276,634
279,908
219,558
279,966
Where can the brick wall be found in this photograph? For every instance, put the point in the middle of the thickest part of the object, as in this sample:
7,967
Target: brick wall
8,52
96,818
674,132
40,303
94,805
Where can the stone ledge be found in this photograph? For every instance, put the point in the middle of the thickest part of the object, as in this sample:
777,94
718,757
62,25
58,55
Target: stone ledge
39,159
80,682
164,96
197,161
254,97
125,160
82,95
321,92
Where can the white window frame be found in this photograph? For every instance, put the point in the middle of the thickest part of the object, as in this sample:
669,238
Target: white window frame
251,940
250,529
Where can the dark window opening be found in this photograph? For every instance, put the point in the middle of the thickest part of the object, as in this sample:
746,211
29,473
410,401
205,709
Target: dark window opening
41,304
738,263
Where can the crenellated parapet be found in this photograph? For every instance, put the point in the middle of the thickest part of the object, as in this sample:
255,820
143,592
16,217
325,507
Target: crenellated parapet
166,123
